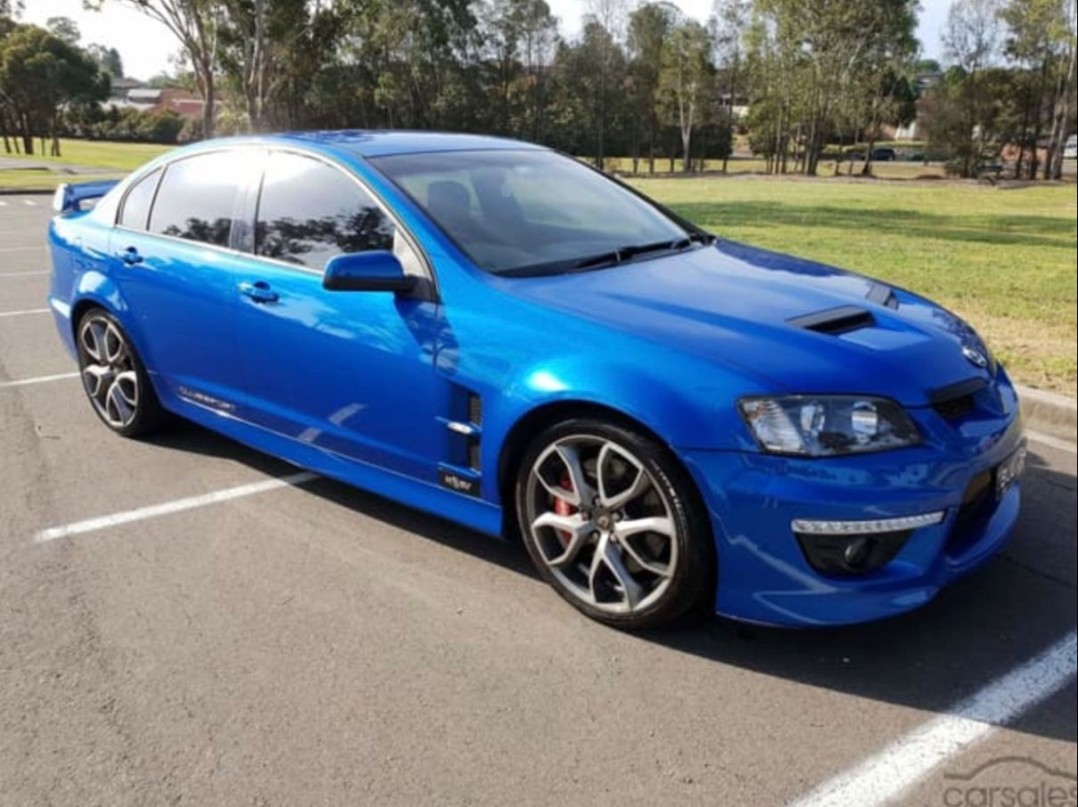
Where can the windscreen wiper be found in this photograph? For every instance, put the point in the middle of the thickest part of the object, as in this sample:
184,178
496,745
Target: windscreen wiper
622,254
610,258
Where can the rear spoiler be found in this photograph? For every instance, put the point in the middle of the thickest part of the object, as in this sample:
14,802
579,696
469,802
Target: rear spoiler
69,197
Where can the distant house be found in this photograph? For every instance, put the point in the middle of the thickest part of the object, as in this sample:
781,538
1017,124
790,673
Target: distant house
183,103
121,86
133,94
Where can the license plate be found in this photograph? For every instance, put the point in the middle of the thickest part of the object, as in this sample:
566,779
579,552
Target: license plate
1009,470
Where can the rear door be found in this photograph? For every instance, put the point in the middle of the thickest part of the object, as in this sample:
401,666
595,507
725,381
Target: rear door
176,269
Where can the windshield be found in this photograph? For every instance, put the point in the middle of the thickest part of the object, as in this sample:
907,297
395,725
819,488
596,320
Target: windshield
531,212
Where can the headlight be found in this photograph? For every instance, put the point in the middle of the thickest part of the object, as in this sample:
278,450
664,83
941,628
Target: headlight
826,425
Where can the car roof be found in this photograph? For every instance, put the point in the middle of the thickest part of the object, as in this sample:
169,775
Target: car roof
380,143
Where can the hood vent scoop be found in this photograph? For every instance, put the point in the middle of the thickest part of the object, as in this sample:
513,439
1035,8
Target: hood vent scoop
835,321
881,294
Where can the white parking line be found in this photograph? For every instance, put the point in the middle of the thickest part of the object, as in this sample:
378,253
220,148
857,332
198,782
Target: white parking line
41,379
1051,441
29,202
884,777
23,249
175,506
25,312
24,274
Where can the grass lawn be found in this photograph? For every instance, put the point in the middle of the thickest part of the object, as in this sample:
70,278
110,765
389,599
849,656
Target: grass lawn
121,157
30,180
883,170
1002,259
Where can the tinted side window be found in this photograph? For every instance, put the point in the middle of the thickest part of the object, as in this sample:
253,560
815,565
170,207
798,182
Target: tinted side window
136,209
197,197
309,211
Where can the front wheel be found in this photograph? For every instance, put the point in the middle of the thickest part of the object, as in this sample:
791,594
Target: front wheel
612,522
114,378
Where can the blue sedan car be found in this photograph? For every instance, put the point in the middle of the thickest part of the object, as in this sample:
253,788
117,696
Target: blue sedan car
493,332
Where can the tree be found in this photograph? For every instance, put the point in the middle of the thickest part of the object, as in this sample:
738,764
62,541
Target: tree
1038,32
649,26
519,38
64,28
729,25
1063,112
603,33
971,40
195,24
39,74
683,80
255,37
108,60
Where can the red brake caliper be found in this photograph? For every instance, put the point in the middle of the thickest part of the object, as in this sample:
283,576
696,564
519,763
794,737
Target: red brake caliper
563,508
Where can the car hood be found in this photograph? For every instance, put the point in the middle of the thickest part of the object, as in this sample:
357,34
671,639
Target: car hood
786,324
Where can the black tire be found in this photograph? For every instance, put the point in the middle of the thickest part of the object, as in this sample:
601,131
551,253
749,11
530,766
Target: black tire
693,558
146,415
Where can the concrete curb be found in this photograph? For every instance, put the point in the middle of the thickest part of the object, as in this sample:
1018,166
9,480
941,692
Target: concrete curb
1049,413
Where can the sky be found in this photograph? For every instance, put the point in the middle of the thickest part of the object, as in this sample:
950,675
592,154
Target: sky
146,46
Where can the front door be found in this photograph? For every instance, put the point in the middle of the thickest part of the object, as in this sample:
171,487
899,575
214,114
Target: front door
348,372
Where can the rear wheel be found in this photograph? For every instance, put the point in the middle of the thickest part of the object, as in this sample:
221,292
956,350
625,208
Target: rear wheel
613,524
114,378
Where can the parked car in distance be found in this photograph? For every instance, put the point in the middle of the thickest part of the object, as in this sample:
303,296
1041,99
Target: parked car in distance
496,333
884,154
1070,148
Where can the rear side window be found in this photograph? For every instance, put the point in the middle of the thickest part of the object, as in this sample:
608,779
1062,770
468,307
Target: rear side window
197,198
309,211
136,209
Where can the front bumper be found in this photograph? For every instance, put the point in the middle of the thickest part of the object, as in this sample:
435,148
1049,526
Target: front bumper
764,575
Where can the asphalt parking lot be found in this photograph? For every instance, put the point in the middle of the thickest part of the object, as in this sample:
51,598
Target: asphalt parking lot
307,643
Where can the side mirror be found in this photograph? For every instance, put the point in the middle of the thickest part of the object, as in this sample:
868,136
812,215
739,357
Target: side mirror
376,270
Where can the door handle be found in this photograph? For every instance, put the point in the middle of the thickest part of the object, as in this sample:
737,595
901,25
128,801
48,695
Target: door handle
131,256
259,291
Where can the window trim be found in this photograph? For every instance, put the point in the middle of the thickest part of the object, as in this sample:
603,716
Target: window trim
252,205
160,171
237,203
247,204
684,223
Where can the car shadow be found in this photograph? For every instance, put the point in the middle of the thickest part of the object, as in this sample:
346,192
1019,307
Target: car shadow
976,630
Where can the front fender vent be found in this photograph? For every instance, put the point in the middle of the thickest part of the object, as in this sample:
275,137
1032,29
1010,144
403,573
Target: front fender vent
835,321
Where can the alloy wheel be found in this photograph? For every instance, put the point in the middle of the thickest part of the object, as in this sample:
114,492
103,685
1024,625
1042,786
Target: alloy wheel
601,524
108,371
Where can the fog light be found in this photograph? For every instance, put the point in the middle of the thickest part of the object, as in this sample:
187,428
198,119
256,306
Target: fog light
857,552
845,548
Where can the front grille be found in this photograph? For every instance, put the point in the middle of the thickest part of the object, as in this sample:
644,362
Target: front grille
955,408
955,401
978,505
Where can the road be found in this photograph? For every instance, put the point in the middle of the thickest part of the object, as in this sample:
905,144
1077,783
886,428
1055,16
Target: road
312,644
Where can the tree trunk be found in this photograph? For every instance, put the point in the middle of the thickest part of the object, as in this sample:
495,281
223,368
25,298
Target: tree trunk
208,103
28,144
1038,119
1063,109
